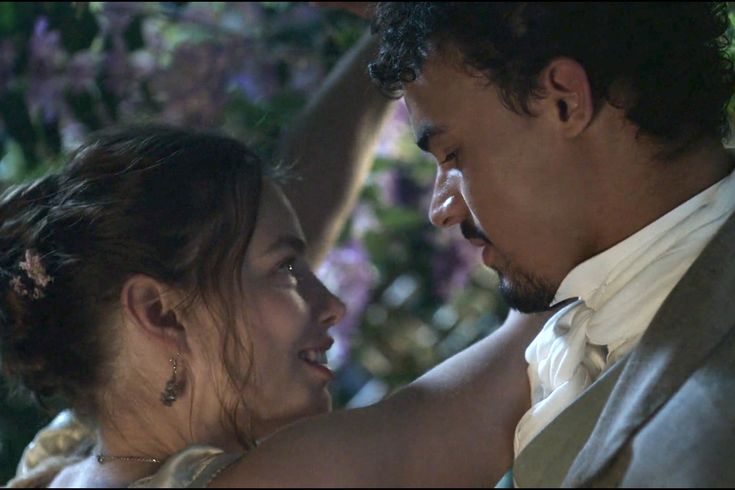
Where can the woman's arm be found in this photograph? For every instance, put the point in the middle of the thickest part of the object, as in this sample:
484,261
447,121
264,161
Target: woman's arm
452,427
331,145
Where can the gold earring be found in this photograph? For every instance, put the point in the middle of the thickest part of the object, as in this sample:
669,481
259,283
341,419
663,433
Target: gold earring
168,397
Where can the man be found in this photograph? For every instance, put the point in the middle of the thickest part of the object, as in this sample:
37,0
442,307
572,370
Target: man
580,145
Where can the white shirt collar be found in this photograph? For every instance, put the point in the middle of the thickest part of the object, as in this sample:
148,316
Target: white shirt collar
588,278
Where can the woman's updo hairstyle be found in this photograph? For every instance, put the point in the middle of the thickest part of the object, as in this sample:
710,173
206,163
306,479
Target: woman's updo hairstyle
176,205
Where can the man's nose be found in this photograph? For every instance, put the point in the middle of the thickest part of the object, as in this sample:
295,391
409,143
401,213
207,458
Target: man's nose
447,205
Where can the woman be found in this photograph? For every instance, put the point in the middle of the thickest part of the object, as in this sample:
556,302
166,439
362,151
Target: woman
160,284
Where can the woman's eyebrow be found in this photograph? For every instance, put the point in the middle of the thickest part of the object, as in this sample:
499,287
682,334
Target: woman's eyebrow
287,241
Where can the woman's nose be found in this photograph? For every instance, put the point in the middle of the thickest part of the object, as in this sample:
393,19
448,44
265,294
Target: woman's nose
334,310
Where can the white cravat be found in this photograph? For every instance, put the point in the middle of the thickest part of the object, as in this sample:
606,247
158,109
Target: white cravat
619,291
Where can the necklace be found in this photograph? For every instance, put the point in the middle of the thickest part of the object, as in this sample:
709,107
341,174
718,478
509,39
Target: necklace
103,458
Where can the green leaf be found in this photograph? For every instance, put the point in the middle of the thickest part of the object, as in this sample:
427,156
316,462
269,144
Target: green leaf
83,107
51,139
134,34
18,124
395,219
7,18
78,28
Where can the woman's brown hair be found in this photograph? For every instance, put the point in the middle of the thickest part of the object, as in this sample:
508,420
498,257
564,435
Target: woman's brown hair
177,205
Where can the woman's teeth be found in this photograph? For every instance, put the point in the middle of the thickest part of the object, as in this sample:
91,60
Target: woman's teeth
314,356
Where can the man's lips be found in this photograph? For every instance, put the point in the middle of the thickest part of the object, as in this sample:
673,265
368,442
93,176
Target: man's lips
488,254
488,250
479,242
473,233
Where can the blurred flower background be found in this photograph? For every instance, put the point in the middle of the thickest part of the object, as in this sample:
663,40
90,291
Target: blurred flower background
415,295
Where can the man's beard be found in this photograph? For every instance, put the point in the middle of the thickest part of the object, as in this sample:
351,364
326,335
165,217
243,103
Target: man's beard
521,290
525,292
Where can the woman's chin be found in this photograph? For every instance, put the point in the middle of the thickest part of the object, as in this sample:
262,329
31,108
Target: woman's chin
322,405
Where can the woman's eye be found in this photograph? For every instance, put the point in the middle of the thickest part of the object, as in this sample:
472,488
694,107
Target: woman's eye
288,267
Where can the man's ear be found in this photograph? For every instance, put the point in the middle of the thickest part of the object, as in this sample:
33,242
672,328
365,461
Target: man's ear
567,96
151,307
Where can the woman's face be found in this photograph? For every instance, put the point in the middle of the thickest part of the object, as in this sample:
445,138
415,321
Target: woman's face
288,312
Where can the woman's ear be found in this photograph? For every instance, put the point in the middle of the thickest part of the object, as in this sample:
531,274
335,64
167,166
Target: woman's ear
150,307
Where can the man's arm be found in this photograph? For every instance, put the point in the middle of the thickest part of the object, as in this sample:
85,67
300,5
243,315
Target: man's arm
331,144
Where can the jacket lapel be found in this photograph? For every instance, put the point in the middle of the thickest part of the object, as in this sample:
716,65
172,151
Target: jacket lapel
690,324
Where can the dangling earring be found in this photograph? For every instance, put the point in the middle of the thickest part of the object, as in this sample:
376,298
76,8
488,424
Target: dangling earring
168,397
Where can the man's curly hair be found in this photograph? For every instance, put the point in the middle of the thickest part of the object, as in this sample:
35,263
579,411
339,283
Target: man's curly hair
670,58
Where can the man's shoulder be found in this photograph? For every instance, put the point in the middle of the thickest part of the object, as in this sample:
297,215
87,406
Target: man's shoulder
670,418
690,440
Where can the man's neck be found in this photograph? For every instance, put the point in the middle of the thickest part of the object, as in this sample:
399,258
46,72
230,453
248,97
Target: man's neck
647,188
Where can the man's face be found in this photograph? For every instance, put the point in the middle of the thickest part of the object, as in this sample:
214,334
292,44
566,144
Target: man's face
509,179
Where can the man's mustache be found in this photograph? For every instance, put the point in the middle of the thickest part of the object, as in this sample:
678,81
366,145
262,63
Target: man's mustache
470,231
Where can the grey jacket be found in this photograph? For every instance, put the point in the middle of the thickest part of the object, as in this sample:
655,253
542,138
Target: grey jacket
665,416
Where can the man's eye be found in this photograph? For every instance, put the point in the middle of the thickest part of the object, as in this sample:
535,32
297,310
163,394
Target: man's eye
451,156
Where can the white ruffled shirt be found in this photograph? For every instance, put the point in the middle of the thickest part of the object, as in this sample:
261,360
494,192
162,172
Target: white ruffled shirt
618,293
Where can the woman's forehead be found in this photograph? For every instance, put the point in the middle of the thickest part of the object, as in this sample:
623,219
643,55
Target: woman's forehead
276,219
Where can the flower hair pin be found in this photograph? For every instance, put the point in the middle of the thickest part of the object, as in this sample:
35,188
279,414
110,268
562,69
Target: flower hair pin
36,272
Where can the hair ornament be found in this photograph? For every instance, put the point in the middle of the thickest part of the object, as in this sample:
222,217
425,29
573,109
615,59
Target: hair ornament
35,271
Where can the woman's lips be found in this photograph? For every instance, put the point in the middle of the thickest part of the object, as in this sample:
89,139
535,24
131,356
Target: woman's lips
316,358
321,369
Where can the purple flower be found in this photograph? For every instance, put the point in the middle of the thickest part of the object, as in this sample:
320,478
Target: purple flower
114,20
143,63
45,45
130,108
72,132
397,188
201,14
116,17
82,70
153,36
298,16
389,140
363,220
118,70
257,78
349,274
45,94
251,12
193,89
452,263
306,75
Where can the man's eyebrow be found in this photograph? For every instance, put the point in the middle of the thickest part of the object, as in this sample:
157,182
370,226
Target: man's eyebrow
426,132
287,241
